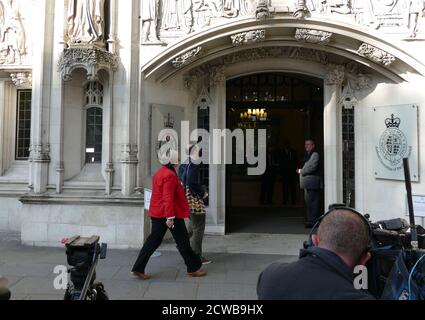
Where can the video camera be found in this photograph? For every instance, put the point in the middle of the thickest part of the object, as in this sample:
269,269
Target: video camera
392,245
83,255
397,267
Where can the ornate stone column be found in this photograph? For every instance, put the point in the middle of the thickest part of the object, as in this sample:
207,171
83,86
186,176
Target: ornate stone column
42,62
2,126
333,176
57,104
129,163
40,160
126,87
217,171
109,169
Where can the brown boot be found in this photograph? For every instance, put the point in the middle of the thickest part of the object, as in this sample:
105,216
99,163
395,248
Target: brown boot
141,275
199,273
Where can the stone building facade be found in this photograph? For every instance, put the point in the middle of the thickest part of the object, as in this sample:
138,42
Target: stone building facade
80,82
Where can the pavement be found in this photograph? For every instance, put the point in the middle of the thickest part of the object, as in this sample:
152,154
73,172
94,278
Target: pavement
237,262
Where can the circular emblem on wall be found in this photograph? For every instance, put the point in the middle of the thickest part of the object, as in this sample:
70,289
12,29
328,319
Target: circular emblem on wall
393,146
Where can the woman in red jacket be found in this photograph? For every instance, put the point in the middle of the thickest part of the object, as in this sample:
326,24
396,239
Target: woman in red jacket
168,209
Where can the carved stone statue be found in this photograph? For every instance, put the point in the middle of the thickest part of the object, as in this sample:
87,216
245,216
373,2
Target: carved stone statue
416,9
235,8
12,33
339,6
178,15
316,6
329,6
216,6
262,11
86,22
150,20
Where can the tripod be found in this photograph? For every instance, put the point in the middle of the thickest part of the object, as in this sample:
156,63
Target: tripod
84,254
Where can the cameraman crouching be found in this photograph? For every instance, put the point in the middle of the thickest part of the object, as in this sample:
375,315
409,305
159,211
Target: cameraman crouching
325,271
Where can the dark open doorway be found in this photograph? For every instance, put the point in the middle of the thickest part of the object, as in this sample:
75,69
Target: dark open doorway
290,107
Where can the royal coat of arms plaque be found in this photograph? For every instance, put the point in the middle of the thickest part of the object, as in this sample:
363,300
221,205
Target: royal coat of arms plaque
395,138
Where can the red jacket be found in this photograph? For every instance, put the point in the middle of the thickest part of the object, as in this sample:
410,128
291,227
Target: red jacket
168,198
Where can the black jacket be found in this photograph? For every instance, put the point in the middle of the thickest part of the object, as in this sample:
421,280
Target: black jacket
190,176
318,275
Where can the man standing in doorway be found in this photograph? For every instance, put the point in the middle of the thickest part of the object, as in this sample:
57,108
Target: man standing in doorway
311,182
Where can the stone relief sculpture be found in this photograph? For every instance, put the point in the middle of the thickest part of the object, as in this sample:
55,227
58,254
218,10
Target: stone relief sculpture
262,11
396,16
22,79
91,59
337,6
329,6
86,22
203,12
150,19
385,13
12,33
249,37
177,15
235,8
186,57
416,9
186,16
302,9
313,36
376,55
277,52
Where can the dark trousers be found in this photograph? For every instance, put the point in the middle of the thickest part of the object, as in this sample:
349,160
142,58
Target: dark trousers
267,186
312,201
289,188
159,228
196,230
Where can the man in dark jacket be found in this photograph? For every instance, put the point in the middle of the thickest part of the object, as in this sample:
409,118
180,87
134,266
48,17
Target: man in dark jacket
325,271
190,178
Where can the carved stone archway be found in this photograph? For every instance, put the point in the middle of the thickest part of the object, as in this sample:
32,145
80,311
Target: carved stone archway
386,56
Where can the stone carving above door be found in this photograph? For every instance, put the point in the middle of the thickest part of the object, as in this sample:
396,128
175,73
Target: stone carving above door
296,53
249,37
186,57
90,59
168,19
376,55
313,36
